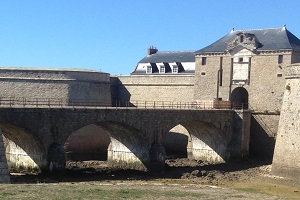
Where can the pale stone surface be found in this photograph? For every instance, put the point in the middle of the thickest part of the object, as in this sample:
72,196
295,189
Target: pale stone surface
173,88
4,173
28,84
286,161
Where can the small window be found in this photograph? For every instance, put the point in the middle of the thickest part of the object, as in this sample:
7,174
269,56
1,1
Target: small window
203,61
241,60
279,75
202,73
241,39
149,69
280,59
175,69
162,69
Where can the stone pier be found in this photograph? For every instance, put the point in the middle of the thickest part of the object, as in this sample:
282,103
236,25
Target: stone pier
286,160
4,173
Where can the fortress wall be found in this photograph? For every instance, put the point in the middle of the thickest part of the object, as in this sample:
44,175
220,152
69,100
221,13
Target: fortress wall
266,87
267,81
64,84
173,88
286,160
206,78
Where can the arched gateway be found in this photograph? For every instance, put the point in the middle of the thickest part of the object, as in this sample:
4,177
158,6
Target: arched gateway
240,98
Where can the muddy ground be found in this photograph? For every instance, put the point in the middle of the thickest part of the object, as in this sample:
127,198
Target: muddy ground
247,175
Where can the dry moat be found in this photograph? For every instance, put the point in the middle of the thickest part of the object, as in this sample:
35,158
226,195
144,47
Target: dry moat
250,176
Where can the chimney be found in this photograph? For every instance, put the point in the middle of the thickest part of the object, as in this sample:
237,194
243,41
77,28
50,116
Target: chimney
152,50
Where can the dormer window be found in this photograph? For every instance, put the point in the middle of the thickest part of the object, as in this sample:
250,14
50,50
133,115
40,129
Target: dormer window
162,69
241,38
175,69
149,70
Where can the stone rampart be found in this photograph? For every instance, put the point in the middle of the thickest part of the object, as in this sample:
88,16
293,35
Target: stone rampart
141,88
286,160
68,85
4,173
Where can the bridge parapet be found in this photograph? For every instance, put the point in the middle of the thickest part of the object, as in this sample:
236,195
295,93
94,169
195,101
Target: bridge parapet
60,102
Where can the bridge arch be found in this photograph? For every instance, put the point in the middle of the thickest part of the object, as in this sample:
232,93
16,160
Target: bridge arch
175,142
87,143
206,142
126,147
24,151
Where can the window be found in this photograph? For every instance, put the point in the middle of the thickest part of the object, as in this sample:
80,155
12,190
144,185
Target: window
203,61
149,69
241,39
280,59
175,69
202,73
279,75
162,69
240,60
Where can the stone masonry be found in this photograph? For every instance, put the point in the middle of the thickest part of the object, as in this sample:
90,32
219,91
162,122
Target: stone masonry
217,135
286,160
4,173
167,88
59,86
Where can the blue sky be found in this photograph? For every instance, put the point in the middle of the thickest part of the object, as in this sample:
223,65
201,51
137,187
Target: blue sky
113,35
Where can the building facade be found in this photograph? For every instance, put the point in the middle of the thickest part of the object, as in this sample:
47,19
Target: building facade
166,62
248,67
245,67
161,76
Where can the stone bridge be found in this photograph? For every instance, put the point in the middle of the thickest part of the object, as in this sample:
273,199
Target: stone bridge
35,137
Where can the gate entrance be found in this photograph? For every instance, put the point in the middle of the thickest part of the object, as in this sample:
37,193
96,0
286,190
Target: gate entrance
239,98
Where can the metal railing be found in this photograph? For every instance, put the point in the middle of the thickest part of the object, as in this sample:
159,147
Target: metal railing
50,102
59,102
174,105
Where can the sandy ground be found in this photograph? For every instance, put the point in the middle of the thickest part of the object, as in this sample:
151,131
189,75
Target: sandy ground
248,175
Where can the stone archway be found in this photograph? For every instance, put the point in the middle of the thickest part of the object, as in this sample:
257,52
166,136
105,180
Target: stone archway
207,142
24,151
240,98
176,141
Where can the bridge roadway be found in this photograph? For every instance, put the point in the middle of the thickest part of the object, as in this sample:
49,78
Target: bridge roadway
34,137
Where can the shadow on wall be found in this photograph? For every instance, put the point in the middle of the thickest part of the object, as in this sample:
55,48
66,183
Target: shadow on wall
261,144
120,96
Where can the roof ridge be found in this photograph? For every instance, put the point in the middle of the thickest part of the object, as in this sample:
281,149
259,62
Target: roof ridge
174,51
259,29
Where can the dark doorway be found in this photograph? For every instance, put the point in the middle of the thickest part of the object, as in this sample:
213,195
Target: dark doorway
239,98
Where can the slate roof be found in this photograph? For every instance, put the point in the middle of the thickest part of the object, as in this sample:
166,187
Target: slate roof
270,39
169,57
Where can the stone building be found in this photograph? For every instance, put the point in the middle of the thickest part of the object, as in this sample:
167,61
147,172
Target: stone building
166,62
248,67
245,67
161,76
